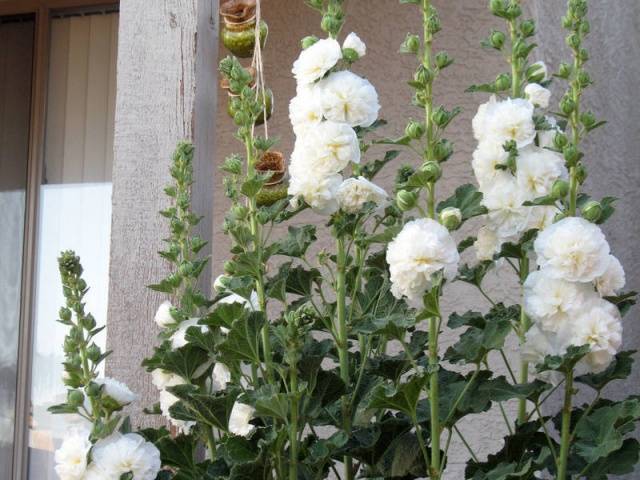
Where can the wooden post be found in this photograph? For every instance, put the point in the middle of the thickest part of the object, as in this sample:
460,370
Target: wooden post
166,92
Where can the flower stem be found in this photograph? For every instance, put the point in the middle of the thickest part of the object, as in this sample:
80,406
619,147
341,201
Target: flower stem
434,398
524,327
428,102
343,342
293,427
565,436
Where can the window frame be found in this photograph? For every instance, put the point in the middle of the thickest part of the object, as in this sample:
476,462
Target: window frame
42,11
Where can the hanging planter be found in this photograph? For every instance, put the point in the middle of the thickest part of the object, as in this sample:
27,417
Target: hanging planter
238,31
275,188
268,101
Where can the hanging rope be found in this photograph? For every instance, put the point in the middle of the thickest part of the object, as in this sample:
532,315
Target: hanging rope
257,64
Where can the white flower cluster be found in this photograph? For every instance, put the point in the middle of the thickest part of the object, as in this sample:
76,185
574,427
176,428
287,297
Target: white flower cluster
564,298
111,457
117,391
422,248
328,106
537,169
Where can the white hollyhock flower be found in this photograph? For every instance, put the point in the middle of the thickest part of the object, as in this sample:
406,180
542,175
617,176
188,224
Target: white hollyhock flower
118,391
487,244
221,376
353,193
350,99
318,193
507,217
510,119
538,95
486,158
612,280
573,249
163,315
249,304
305,109
71,457
325,150
119,454
162,378
600,327
538,344
179,338
353,42
552,302
315,61
241,415
422,248
537,170
541,217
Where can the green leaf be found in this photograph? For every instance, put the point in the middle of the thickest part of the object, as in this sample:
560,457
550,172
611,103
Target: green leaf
251,187
403,458
295,280
184,361
620,462
468,199
393,326
403,398
619,369
564,363
269,402
238,451
475,275
224,315
197,407
243,339
298,240
178,452
371,169
602,432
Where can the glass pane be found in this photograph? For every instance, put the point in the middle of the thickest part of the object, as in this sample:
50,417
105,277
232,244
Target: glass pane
16,59
75,207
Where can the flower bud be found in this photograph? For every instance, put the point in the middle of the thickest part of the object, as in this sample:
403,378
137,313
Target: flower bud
423,75
64,314
583,55
93,390
75,398
513,11
584,79
350,55
451,218
442,150
560,140
581,173
521,49
93,352
564,71
560,189
567,22
592,211
308,41
528,28
262,217
330,24
443,60
411,44
433,24
567,105
497,7
406,200
496,39
240,212
588,119
585,27
503,82
573,40
432,171
414,130
440,117
571,154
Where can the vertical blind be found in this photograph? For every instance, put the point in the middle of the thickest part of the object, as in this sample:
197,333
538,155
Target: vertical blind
74,207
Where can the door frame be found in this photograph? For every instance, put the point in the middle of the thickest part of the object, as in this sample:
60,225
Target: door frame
42,11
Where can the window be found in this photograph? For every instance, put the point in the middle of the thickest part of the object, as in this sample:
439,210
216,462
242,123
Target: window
57,102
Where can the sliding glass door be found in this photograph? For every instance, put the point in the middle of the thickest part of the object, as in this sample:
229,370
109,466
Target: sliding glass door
16,60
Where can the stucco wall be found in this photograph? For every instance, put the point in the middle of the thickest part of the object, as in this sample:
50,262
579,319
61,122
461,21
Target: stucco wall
383,24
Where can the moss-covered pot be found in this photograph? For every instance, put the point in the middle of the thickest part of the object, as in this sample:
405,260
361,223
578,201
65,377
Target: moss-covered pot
269,195
239,38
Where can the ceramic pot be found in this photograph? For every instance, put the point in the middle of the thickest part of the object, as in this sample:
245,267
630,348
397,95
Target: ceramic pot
272,162
269,195
239,36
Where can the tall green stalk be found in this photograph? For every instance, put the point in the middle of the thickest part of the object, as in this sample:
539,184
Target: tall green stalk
565,435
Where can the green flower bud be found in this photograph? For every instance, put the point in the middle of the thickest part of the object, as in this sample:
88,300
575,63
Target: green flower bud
567,22
528,28
571,154
521,49
350,55
262,217
414,130
423,75
588,119
64,314
331,24
567,105
433,24
451,218
583,55
581,173
440,117
560,189
564,71
89,322
442,150
406,200
503,82
308,41
432,171
573,40
592,211
411,44
93,390
513,11
497,39
75,398
584,79
497,7
443,60
240,212
560,140
585,27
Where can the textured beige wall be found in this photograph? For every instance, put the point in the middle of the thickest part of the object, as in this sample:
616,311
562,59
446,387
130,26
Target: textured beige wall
382,24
